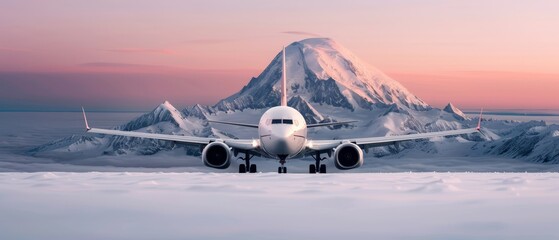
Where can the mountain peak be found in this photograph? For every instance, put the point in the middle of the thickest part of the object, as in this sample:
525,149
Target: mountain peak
198,111
322,71
457,113
165,112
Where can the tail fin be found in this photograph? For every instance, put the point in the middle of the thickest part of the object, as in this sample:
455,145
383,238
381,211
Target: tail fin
284,82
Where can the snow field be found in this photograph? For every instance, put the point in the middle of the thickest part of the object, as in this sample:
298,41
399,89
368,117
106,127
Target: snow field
121,205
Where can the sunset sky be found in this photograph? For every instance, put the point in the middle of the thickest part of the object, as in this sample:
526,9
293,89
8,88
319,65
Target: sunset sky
135,54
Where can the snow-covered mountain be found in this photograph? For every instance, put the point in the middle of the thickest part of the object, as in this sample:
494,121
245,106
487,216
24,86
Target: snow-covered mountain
165,119
457,113
325,83
322,71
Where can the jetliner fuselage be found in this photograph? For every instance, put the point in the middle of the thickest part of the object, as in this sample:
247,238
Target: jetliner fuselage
283,132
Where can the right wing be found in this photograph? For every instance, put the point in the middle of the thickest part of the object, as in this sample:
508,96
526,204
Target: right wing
241,144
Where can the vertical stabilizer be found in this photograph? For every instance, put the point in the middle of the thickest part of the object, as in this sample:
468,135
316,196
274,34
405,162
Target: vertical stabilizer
284,82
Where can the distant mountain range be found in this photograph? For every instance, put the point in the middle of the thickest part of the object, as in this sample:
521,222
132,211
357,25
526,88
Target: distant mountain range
326,82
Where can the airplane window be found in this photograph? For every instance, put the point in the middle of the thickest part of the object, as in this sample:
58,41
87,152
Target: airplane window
287,121
276,121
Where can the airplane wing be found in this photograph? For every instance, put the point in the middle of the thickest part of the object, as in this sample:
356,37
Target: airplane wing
321,145
241,144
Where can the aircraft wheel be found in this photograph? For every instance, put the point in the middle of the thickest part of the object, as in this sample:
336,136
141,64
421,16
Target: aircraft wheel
322,168
252,168
242,168
312,168
280,170
284,170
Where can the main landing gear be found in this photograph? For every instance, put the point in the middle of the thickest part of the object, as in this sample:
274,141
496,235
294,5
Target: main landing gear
317,166
243,167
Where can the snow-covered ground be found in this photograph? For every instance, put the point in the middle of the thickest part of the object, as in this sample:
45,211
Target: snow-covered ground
54,205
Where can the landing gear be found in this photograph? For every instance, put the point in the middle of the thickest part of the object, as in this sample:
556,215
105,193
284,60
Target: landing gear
313,170
247,166
321,168
252,168
282,169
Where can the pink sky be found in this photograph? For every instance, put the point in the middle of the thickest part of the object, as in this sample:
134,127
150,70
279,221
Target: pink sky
495,54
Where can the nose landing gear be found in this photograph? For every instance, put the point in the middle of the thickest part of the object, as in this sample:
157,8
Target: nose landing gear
282,169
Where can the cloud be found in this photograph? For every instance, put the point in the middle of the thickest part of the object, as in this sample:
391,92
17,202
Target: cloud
142,50
208,41
7,49
124,67
111,64
301,33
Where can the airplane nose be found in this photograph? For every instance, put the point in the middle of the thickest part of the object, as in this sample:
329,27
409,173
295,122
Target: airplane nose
281,141
282,134
282,146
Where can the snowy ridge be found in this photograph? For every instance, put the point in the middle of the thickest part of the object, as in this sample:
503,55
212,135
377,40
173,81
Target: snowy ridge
199,111
309,112
165,112
457,113
533,140
165,119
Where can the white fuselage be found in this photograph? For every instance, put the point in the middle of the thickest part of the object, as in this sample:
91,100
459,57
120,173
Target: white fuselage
283,132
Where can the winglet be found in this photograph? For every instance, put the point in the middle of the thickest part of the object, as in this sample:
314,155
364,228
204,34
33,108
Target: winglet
85,119
479,121
284,82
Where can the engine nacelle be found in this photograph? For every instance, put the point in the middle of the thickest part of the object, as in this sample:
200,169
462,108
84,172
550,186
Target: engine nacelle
217,155
348,156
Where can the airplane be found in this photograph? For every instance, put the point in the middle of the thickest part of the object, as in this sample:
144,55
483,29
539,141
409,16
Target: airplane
282,133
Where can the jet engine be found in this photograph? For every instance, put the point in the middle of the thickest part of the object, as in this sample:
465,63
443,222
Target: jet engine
217,155
348,156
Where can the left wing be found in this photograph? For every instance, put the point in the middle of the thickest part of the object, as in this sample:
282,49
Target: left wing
318,145
241,144
321,145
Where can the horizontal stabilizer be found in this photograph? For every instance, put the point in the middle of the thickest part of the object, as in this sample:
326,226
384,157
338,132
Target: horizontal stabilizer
328,124
235,124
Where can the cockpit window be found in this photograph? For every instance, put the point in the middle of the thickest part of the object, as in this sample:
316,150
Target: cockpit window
284,121
287,121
